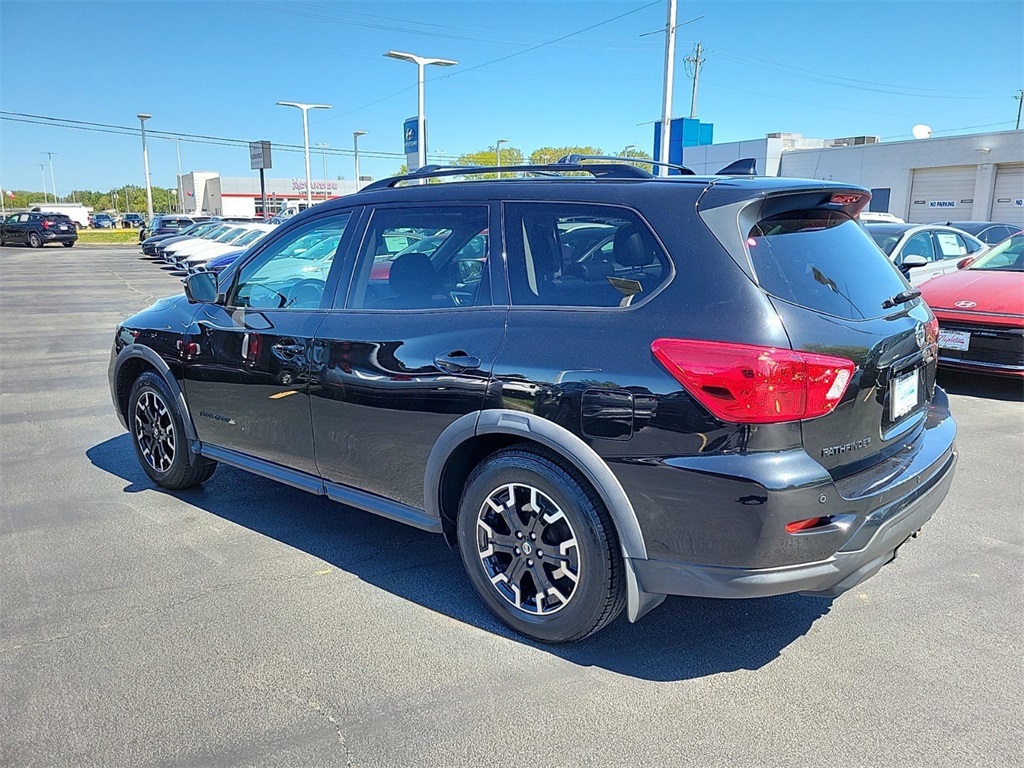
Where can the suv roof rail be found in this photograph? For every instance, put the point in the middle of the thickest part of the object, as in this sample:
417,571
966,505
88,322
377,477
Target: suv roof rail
578,159
597,170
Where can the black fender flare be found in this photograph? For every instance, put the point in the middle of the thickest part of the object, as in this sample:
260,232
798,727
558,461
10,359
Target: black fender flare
553,436
131,351
571,448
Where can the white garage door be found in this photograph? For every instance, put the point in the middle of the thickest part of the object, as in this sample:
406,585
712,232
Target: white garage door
942,194
1008,200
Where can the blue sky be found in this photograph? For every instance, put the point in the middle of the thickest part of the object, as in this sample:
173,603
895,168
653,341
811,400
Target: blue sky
216,68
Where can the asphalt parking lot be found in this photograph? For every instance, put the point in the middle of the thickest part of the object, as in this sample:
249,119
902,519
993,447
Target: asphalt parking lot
248,623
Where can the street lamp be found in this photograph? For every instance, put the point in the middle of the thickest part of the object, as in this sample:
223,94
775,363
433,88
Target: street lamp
497,149
355,152
181,185
52,182
323,146
305,138
143,117
421,62
42,172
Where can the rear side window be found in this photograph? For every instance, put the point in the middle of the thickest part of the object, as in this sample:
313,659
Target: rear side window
423,258
824,261
573,255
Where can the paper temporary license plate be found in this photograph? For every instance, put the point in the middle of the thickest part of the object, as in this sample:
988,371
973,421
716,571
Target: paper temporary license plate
903,395
954,340
63,226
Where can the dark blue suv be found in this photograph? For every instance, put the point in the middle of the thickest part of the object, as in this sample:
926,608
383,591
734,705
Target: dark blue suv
602,388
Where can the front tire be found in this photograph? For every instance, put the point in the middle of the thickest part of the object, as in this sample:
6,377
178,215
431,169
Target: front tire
539,547
34,241
158,434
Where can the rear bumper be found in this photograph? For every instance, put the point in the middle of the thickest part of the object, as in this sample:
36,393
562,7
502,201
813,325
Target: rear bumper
981,366
871,517
59,237
826,578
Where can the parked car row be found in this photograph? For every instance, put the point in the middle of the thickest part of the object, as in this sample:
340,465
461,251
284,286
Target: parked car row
168,224
191,248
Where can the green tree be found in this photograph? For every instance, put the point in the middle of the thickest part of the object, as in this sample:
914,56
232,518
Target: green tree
489,158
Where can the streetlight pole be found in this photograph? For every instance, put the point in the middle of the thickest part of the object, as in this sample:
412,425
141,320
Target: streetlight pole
497,152
355,152
42,172
143,117
323,149
305,138
421,63
666,105
53,183
181,187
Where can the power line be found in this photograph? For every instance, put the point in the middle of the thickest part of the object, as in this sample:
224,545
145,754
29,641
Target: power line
552,42
194,138
834,80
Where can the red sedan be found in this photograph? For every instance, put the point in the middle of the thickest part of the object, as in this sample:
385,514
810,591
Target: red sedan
981,311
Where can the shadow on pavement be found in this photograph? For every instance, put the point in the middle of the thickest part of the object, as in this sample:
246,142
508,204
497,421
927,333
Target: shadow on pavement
980,385
684,638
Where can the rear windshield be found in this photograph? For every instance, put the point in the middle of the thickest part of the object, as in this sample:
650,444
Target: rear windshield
822,260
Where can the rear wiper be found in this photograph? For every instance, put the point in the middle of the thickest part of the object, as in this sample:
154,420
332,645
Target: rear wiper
900,298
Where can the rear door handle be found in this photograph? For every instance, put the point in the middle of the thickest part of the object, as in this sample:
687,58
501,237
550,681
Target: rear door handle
454,362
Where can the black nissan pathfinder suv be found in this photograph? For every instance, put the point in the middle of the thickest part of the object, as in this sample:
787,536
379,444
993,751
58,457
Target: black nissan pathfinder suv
601,387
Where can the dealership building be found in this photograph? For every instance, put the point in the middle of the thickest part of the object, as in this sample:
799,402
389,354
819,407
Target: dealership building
979,176
209,192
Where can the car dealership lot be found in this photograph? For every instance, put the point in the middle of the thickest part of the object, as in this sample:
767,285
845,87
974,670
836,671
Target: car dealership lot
250,623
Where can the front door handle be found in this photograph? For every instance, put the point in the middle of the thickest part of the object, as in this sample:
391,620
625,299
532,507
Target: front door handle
289,349
456,362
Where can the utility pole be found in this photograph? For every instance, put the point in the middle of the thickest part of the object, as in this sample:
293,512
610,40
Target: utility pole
42,172
1020,103
696,61
666,103
53,183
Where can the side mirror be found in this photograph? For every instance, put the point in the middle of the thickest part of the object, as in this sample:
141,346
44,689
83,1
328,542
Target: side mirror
965,263
201,288
913,260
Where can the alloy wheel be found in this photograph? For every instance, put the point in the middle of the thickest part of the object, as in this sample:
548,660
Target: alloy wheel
154,431
528,549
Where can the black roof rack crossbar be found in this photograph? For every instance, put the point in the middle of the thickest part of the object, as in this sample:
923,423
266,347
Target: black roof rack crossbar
600,171
578,159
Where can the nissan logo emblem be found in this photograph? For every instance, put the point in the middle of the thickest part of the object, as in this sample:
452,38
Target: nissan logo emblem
965,304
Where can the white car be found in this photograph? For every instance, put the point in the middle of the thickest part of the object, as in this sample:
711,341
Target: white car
879,217
924,251
167,252
184,250
253,236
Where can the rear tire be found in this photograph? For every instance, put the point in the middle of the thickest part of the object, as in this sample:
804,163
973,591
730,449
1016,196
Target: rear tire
34,241
539,547
158,434
67,245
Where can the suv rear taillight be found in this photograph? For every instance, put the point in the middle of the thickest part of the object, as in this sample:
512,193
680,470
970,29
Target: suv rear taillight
748,384
47,223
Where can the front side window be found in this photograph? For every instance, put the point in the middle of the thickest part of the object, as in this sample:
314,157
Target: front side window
423,258
292,272
573,255
920,245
